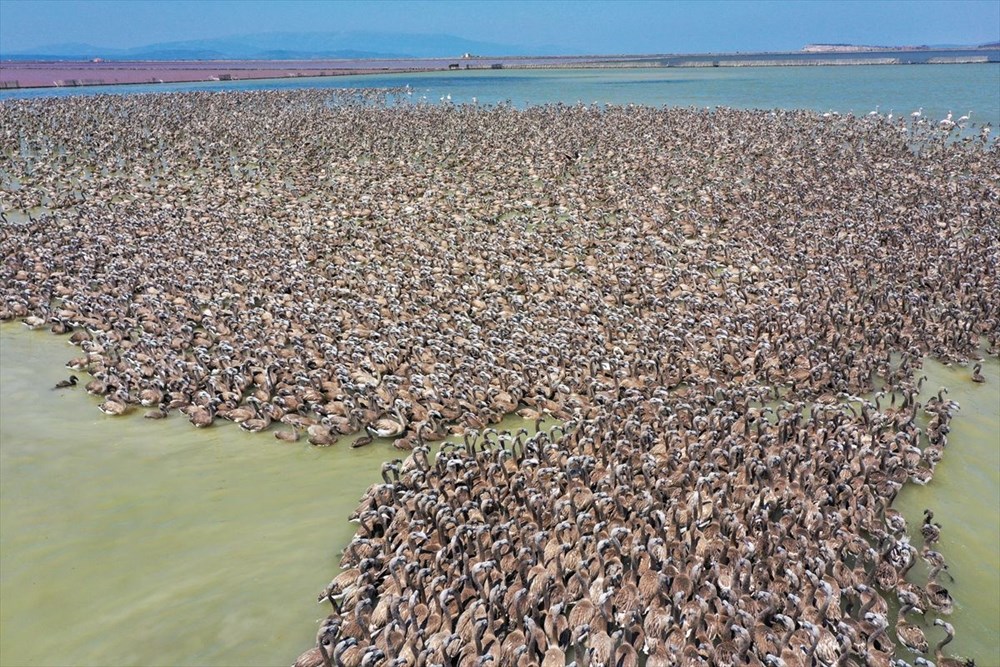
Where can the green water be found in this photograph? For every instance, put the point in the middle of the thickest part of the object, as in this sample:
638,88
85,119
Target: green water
134,542
128,541
965,498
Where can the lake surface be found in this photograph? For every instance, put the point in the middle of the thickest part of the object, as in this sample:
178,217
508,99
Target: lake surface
143,542
154,543
965,498
150,542
131,542
900,89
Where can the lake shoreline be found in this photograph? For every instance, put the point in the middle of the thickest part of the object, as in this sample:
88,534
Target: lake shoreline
33,74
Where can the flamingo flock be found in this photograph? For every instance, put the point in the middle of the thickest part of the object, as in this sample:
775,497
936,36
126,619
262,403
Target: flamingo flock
723,313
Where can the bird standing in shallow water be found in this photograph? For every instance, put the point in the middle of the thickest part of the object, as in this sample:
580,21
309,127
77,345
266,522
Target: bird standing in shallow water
286,435
115,405
362,441
942,660
159,412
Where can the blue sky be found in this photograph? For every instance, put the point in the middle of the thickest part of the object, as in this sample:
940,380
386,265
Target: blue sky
577,26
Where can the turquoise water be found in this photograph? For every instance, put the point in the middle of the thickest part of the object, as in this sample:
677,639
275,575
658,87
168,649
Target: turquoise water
900,89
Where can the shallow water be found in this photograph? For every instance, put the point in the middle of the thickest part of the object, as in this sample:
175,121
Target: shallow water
153,543
900,89
965,498
138,542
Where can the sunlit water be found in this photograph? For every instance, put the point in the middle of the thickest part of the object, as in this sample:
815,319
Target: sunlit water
134,542
131,542
127,541
899,89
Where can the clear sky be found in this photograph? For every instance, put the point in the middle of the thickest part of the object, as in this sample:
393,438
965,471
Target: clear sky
576,26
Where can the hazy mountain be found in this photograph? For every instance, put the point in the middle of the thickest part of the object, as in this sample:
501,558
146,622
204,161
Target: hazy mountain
60,50
293,46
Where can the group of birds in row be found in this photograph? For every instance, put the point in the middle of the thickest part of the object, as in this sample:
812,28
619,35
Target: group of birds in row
706,300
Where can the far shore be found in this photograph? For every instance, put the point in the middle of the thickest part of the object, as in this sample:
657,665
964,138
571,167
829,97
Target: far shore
18,74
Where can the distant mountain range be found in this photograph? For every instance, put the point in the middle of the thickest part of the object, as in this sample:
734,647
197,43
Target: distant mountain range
345,45
290,46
